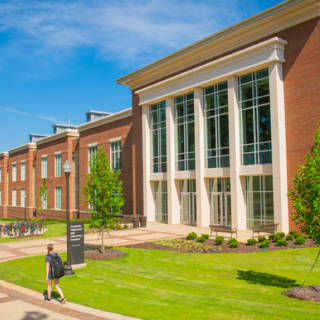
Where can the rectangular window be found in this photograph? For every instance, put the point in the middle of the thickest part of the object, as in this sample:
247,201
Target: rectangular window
23,171
58,165
0,175
184,132
14,172
161,201
58,198
216,125
158,139
44,167
76,180
116,155
14,197
188,202
34,184
92,152
23,198
255,118
45,200
259,200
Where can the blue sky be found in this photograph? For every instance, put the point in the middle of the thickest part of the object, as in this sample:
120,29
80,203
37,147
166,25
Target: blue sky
59,59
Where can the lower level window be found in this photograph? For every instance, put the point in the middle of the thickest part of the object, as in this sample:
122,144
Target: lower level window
259,198
188,202
161,201
58,198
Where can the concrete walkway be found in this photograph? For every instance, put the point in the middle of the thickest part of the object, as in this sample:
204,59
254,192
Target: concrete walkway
17,303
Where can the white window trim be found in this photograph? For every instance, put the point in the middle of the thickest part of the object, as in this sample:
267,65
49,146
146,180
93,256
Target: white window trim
92,144
58,152
115,139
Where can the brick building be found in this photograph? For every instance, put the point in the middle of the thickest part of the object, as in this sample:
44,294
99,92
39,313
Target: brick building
215,134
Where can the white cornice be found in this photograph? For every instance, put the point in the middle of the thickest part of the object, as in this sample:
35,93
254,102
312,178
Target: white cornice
243,61
63,134
105,120
4,154
280,17
23,147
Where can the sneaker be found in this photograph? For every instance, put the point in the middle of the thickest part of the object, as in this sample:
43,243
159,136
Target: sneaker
63,301
47,300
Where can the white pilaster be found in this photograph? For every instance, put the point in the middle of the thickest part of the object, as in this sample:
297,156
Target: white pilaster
279,154
203,207
238,205
173,191
148,198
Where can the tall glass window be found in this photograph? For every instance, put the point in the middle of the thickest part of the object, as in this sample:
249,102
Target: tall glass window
76,181
216,124
58,165
23,198
116,155
161,201
188,202
157,124
259,198
44,167
14,197
220,201
254,103
184,132
92,152
58,198
23,171
45,200
14,172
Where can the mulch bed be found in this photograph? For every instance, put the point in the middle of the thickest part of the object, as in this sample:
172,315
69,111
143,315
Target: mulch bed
311,293
109,254
209,246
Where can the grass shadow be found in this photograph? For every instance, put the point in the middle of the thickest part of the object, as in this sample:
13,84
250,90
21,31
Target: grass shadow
266,279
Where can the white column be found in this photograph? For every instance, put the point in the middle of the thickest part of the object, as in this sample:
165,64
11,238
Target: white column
238,204
203,206
173,191
148,198
279,154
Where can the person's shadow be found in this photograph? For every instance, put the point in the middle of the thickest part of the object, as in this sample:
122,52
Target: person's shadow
266,279
34,315
54,295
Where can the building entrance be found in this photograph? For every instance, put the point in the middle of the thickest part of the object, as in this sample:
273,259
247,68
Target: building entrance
221,208
188,202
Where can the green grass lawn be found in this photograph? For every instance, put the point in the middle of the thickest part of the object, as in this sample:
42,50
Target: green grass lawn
54,230
168,285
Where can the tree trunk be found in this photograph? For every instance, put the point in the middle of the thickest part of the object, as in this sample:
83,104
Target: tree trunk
102,240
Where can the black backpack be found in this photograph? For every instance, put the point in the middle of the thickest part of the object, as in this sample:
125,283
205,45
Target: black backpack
56,266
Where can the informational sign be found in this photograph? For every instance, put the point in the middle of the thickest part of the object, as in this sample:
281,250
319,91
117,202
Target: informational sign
77,242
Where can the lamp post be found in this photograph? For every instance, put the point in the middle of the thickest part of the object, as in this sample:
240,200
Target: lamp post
68,271
25,207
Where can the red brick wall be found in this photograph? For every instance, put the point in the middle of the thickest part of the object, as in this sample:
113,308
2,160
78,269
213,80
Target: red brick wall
3,186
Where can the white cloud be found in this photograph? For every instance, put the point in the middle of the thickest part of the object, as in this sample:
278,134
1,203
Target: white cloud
36,116
137,31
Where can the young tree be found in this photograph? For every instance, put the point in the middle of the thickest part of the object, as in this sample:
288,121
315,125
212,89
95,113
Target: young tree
103,192
305,194
43,198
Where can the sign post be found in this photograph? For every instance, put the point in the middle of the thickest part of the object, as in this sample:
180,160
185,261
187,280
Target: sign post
77,244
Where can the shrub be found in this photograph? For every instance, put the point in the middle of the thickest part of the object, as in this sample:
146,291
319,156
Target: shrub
191,236
261,239
125,226
271,236
300,240
292,232
206,236
282,243
233,243
277,237
265,244
112,226
219,240
281,235
201,239
251,242
290,237
118,227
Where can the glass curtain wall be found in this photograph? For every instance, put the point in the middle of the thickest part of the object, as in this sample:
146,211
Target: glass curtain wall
161,201
254,104
158,139
184,132
188,202
220,201
216,125
259,198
